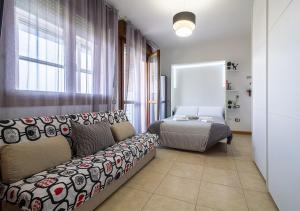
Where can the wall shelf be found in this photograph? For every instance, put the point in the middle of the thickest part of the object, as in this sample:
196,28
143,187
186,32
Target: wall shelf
232,90
232,70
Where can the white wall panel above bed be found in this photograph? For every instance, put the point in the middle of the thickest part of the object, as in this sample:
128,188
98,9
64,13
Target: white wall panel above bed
198,85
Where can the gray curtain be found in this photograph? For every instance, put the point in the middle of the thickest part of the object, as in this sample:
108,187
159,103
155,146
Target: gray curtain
1,14
135,78
58,57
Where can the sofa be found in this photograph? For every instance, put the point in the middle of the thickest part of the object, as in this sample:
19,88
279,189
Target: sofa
79,183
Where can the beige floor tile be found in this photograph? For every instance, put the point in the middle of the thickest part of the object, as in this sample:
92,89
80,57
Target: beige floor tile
239,138
242,143
163,203
190,171
253,182
221,176
125,199
195,158
160,166
220,162
244,166
201,208
179,188
167,154
145,180
258,201
221,197
242,156
220,150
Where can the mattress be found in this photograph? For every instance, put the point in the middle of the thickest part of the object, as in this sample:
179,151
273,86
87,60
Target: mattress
196,135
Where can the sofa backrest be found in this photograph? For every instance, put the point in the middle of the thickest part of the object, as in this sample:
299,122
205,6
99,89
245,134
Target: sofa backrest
35,128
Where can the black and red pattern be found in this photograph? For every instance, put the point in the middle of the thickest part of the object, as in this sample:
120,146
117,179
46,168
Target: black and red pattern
35,128
69,185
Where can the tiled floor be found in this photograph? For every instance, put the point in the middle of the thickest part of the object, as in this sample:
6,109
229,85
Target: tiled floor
210,181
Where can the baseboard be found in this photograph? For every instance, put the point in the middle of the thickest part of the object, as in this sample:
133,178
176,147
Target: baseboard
242,132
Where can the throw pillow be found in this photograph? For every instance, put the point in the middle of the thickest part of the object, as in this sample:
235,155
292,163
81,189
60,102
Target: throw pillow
22,160
122,130
89,139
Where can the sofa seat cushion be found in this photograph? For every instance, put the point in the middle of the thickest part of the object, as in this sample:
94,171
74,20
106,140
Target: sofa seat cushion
67,186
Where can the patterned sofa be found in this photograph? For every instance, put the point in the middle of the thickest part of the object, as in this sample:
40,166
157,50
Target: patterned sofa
80,184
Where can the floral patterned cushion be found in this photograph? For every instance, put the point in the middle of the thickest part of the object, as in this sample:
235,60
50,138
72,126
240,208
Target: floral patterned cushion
68,185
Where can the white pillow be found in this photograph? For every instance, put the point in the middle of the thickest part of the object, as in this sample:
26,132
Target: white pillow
187,110
180,118
216,111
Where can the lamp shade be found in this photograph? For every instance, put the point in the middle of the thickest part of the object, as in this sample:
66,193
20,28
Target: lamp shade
184,23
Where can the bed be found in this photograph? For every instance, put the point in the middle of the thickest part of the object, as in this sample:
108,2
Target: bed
193,128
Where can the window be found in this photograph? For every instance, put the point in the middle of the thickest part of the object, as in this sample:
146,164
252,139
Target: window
129,101
41,51
41,54
84,73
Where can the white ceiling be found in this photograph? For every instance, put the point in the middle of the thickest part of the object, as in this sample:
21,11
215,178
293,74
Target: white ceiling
215,19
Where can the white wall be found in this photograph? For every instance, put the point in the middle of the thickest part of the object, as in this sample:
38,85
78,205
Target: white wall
199,86
259,74
233,49
284,103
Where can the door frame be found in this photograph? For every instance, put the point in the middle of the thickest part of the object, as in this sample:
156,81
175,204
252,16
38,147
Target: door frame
157,54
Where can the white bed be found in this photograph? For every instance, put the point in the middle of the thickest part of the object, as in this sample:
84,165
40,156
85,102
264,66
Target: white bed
194,128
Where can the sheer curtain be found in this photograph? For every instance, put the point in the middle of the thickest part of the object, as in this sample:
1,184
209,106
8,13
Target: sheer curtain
58,57
135,77
1,13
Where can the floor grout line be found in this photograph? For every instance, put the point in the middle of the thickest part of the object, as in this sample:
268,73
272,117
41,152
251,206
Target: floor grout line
199,187
157,186
242,187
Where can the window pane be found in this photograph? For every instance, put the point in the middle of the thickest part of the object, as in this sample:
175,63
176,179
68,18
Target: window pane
23,75
40,77
84,65
89,83
129,112
41,47
23,43
153,112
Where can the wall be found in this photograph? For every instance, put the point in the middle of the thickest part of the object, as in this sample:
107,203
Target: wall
199,86
259,74
234,49
284,103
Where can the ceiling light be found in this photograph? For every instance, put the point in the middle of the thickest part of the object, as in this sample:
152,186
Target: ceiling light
184,23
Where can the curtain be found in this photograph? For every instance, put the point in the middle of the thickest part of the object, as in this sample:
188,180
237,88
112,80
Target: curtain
1,13
58,57
135,77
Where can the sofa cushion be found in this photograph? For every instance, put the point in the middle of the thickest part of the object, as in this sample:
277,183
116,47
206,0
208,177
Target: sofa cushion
68,185
19,161
89,139
36,128
122,130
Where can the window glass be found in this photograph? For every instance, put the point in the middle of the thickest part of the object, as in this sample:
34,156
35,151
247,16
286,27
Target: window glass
41,49
41,53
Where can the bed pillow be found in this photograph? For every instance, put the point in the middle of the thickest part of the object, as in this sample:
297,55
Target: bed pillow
89,139
216,111
122,130
187,110
22,160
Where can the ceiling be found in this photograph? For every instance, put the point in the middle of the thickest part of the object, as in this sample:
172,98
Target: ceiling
215,19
